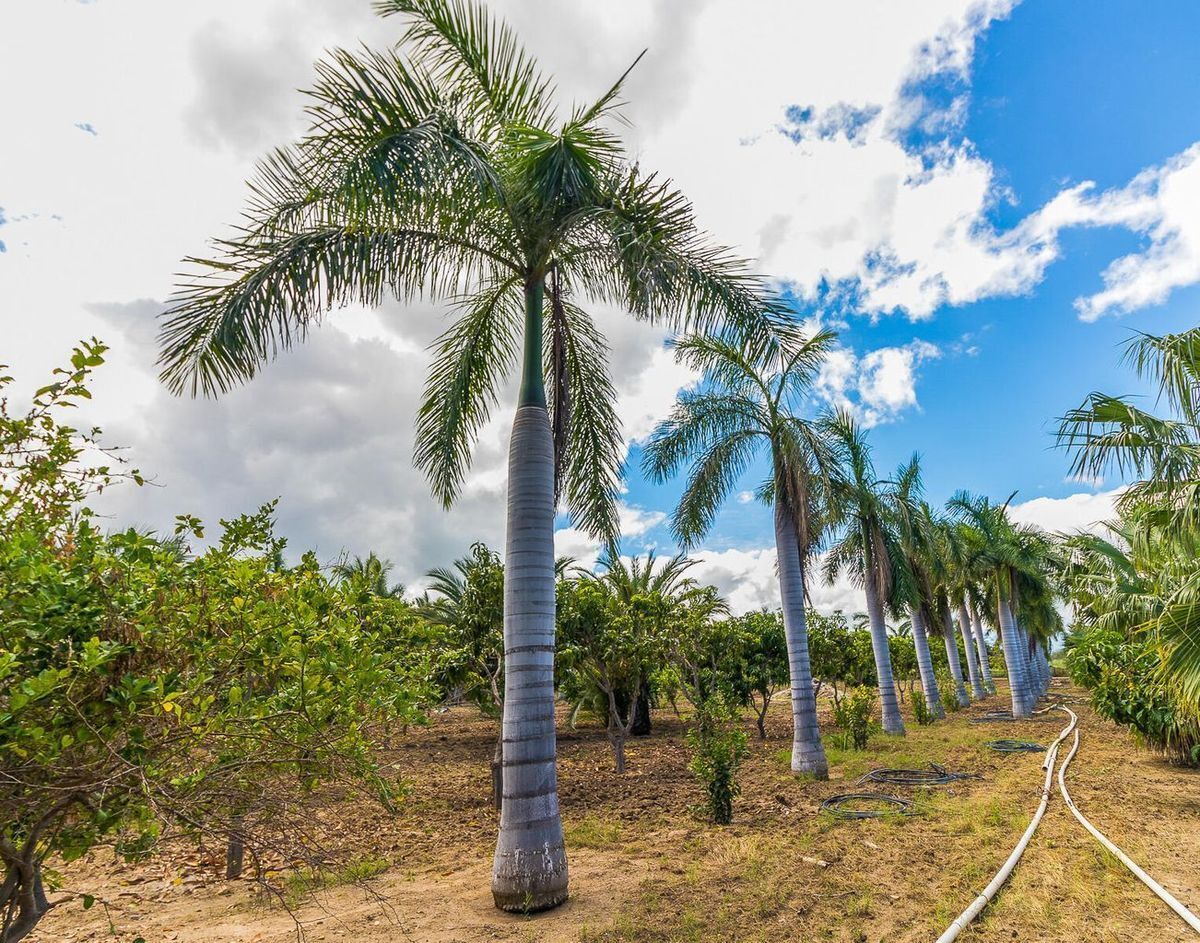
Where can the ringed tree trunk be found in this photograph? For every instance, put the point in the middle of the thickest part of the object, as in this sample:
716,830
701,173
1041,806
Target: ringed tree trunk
1031,685
985,661
960,690
1012,659
529,871
964,628
808,753
890,706
929,685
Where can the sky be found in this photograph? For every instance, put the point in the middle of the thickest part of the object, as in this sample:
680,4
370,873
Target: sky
985,199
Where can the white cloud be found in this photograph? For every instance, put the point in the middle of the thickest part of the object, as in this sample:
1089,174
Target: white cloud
1081,511
878,386
745,497
748,580
205,88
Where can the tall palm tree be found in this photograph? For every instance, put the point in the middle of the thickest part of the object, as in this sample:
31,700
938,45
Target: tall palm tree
746,403
915,539
369,575
441,168
868,549
941,564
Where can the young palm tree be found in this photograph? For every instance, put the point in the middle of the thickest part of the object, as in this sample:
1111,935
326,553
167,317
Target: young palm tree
745,403
641,578
441,168
368,575
868,549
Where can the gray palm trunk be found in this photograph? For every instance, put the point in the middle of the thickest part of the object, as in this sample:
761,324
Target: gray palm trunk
529,872
1031,687
929,685
890,705
985,661
964,628
960,689
1012,660
808,754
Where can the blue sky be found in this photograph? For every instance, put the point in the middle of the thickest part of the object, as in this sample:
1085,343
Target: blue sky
1055,98
911,173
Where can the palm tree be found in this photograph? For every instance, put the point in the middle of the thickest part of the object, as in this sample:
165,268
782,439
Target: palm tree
1015,560
868,549
441,168
912,531
745,403
369,576
1159,513
942,565
637,578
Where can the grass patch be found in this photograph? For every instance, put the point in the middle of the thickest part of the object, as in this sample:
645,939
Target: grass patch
301,885
592,832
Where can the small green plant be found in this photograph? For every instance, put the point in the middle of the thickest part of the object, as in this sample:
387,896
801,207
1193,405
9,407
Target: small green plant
853,715
921,712
946,683
718,747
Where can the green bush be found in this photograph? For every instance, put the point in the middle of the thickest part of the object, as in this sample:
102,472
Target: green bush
853,715
718,747
1126,687
921,712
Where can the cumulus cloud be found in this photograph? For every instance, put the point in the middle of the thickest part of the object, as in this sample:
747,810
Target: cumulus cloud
1081,511
878,386
748,580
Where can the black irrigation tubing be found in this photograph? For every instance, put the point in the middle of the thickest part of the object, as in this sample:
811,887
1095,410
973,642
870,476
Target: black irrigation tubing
933,776
1014,746
893,805
1005,717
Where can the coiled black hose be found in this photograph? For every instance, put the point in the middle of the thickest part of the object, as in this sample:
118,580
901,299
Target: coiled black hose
838,806
933,776
1014,746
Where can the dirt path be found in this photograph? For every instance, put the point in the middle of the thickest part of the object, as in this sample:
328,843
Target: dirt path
644,868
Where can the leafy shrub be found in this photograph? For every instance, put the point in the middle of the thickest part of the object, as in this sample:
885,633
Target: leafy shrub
853,715
947,685
718,747
1126,687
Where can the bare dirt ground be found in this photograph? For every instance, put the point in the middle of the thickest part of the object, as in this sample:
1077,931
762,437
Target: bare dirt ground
645,868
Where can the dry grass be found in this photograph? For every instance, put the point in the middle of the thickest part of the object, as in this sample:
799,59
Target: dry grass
645,869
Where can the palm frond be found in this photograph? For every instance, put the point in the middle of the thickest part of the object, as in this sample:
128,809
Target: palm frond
470,360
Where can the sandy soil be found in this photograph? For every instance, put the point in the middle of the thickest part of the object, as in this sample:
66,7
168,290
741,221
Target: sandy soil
644,867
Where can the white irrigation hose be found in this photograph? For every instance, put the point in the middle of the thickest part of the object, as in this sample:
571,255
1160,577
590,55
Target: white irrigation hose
963,920
1188,917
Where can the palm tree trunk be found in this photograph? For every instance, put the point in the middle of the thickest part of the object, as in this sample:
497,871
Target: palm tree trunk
985,660
1012,659
892,721
964,629
960,689
808,754
1031,684
929,685
529,872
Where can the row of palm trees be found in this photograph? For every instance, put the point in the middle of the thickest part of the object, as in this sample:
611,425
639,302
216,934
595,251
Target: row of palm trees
442,168
968,562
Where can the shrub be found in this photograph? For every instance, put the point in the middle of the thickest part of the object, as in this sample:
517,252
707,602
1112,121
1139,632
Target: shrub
921,712
718,747
853,715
